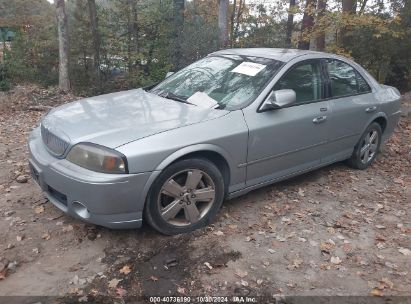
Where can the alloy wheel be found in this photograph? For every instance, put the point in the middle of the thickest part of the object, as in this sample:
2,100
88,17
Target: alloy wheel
186,197
369,146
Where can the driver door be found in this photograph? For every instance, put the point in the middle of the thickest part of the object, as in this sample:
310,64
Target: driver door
289,140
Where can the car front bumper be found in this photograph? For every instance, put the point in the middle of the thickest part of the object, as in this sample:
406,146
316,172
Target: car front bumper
109,200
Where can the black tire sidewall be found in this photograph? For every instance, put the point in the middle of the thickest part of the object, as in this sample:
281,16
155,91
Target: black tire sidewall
152,212
355,160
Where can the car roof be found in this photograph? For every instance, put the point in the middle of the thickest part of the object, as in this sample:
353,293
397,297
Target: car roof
284,55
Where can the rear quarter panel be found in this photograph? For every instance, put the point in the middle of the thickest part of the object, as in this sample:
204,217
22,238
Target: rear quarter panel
389,99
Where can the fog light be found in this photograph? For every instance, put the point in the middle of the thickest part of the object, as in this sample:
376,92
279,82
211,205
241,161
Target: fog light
80,210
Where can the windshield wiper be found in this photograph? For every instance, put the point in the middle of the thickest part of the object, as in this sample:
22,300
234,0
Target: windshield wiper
175,97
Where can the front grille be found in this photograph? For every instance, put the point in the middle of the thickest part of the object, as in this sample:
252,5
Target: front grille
55,144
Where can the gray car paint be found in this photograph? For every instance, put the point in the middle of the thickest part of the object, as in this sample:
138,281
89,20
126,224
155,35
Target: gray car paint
118,118
152,132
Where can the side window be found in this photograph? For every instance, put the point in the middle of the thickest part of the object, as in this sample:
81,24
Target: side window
363,86
345,80
305,80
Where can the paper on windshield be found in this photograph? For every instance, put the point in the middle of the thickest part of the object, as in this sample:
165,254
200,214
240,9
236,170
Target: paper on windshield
201,99
249,68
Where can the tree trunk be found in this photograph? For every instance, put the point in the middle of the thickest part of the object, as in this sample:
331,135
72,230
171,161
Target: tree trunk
63,37
239,13
320,39
96,40
222,23
232,38
348,8
290,24
306,25
134,26
178,10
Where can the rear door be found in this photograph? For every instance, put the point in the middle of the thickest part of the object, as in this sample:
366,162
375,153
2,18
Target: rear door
352,104
292,139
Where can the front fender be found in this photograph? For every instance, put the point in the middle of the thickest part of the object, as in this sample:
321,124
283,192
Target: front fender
181,153
195,148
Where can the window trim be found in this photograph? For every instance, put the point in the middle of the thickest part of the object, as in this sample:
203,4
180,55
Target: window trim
357,74
326,82
323,75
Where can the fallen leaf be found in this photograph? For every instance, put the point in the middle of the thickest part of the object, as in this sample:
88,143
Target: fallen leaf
113,283
249,239
259,282
326,246
386,283
125,270
121,292
153,278
68,228
20,238
335,260
181,290
208,265
380,238
404,251
46,236
376,292
219,233
399,181
240,273
39,209
244,283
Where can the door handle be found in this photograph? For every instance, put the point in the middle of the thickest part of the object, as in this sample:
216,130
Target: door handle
370,109
319,119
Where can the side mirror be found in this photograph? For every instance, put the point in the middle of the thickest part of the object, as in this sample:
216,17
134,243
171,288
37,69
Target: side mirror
279,99
169,74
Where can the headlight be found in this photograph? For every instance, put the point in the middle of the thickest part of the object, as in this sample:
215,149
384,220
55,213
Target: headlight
98,158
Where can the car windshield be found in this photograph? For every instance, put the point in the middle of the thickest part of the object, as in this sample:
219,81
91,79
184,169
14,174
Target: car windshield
225,82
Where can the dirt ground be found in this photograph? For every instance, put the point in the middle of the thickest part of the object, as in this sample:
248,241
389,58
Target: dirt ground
334,231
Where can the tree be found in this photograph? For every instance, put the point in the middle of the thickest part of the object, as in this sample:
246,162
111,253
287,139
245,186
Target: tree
96,40
222,23
290,24
348,9
320,39
178,12
64,80
306,25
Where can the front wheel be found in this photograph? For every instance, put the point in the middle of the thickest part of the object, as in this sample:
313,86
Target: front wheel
367,147
186,196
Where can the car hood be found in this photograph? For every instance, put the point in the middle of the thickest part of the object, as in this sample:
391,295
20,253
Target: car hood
115,119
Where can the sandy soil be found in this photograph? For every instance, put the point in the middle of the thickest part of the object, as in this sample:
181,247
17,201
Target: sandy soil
334,231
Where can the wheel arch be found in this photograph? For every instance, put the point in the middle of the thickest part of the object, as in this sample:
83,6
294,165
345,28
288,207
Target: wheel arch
382,121
380,118
213,153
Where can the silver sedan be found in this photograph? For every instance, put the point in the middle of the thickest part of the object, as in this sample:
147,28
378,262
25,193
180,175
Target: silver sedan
232,122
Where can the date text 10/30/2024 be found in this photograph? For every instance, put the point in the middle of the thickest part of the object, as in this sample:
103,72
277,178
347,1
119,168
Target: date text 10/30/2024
203,299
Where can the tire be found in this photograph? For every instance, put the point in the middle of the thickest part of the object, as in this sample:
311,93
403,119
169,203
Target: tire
182,188
367,147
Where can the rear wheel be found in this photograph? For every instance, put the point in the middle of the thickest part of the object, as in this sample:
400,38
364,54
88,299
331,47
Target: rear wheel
186,196
367,147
